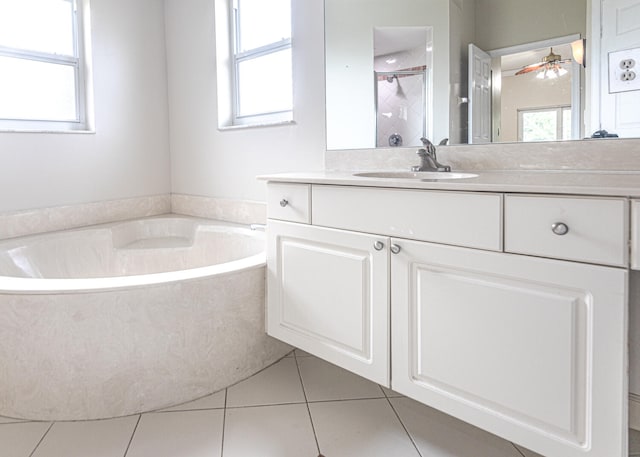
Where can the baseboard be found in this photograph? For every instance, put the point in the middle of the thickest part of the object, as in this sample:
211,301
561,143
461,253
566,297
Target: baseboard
634,411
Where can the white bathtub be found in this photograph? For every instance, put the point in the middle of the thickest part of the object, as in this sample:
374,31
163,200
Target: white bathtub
129,317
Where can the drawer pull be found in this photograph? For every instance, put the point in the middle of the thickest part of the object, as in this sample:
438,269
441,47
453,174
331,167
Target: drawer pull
395,249
560,228
378,245
284,202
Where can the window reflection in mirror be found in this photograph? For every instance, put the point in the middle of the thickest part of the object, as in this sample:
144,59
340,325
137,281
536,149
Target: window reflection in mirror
541,79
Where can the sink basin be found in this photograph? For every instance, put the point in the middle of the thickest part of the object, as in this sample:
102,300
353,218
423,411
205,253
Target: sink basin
420,175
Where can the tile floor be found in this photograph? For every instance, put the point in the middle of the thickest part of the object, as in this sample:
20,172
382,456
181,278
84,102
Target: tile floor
299,407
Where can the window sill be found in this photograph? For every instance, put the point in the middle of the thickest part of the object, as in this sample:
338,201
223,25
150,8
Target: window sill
257,125
81,132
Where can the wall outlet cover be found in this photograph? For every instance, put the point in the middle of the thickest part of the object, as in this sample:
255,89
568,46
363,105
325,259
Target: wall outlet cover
624,70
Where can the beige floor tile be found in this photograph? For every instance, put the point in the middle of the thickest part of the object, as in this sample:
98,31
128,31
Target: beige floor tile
323,381
277,384
269,431
391,393
634,442
360,428
19,440
301,353
104,438
213,401
179,434
528,453
439,435
8,420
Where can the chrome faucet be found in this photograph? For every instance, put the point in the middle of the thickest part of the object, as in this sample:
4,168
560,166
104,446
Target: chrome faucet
428,159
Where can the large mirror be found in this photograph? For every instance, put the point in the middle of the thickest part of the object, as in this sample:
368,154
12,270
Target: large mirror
514,33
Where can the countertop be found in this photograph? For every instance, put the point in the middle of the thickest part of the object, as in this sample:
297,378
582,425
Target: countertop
566,182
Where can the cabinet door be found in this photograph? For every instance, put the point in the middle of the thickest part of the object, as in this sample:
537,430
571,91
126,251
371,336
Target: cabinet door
533,350
328,294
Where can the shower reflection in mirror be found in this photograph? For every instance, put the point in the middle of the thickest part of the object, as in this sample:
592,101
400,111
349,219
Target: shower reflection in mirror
400,107
401,69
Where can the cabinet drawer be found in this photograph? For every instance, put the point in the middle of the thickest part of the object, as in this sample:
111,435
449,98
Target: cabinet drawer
289,202
456,218
635,235
596,229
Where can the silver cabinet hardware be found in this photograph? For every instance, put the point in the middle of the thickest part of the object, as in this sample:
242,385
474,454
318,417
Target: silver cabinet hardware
395,248
284,202
560,228
378,245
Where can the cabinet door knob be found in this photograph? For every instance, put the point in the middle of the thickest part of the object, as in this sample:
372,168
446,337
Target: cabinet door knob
378,245
560,228
395,248
284,202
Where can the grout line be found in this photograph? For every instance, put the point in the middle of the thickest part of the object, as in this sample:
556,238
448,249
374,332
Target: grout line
346,399
126,451
41,439
517,449
224,423
306,401
404,426
187,410
383,392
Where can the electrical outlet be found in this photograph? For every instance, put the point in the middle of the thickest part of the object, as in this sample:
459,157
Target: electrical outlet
627,64
628,75
623,70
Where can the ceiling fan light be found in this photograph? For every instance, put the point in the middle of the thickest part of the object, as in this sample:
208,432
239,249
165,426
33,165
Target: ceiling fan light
561,71
541,73
578,50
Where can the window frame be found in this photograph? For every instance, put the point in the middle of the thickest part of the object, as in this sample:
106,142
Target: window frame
558,109
237,57
79,63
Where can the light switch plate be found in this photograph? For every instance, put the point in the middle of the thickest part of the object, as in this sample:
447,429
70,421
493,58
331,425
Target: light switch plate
624,70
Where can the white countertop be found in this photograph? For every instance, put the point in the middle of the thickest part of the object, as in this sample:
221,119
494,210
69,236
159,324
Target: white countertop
570,182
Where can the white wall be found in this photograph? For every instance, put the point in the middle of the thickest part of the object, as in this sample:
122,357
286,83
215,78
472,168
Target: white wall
210,162
128,155
462,29
504,23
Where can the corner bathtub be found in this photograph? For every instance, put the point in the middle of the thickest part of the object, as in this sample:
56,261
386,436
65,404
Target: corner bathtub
129,317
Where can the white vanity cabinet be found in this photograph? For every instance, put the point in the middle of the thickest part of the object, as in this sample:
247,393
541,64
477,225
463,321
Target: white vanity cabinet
328,294
487,318
530,349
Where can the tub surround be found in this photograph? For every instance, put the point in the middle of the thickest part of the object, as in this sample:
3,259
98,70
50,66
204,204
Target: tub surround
42,220
132,350
99,347
222,209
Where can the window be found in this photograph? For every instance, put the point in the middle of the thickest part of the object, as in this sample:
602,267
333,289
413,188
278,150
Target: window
261,61
42,65
544,124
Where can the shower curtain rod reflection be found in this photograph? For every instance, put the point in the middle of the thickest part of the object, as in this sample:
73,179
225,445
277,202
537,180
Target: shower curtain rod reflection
391,75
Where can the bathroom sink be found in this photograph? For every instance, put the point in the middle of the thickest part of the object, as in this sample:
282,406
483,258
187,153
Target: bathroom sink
421,175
